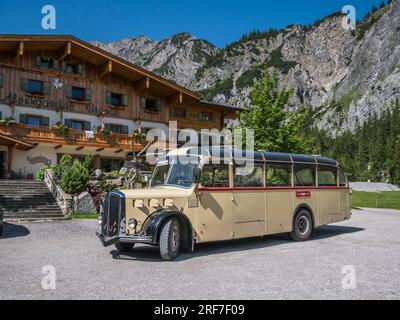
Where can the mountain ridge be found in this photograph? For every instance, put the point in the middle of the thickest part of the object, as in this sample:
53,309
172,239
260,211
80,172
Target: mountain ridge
344,76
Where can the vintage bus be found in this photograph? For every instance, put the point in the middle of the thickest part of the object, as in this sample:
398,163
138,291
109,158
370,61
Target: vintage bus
217,196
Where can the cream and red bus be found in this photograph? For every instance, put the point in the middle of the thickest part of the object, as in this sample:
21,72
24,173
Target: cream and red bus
215,195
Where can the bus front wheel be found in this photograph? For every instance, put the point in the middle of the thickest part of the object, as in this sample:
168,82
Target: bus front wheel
170,240
302,226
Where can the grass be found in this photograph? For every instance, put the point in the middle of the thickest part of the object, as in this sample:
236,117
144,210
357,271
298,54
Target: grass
85,216
384,200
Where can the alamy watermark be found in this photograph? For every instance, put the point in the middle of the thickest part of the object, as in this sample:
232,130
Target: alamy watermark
49,19
349,281
50,278
349,20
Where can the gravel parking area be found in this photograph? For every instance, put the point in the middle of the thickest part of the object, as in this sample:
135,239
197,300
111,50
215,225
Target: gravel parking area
268,268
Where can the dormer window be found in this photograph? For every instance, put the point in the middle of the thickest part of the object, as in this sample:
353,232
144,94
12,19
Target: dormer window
71,67
153,105
47,63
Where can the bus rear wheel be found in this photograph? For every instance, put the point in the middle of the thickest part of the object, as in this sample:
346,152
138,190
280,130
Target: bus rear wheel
170,240
302,226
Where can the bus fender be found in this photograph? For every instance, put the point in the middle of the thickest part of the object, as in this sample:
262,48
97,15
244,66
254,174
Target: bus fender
153,224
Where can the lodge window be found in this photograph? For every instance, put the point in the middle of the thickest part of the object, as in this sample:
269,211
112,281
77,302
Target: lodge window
79,125
206,116
47,63
78,93
304,175
249,176
34,120
70,67
117,99
178,112
117,128
35,87
327,176
279,175
215,176
154,105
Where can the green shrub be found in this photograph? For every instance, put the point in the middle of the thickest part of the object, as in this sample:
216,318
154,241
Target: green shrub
88,163
64,164
75,179
41,172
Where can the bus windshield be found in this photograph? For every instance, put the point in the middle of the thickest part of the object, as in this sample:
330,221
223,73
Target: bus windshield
174,173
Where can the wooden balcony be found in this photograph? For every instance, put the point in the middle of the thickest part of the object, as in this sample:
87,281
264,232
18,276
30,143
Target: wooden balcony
119,142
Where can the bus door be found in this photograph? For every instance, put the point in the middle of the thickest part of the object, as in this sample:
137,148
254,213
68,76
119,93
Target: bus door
249,201
328,195
215,204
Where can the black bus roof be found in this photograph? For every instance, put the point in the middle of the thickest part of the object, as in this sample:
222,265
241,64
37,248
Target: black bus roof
236,154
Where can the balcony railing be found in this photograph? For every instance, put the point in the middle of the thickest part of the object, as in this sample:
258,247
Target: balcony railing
71,137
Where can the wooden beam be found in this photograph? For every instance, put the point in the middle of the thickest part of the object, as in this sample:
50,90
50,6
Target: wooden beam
176,99
67,51
58,146
79,148
119,151
142,84
20,51
99,149
106,68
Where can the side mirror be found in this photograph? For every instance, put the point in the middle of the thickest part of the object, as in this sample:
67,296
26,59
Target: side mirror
196,175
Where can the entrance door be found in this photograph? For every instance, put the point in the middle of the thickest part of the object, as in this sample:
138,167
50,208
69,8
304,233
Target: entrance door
249,201
215,209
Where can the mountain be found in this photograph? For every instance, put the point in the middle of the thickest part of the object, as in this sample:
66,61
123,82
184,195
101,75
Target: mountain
344,76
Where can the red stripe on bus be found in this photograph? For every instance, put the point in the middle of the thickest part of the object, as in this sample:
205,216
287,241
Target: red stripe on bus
272,188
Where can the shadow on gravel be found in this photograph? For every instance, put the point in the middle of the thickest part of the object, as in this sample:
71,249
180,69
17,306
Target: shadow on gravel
151,254
14,231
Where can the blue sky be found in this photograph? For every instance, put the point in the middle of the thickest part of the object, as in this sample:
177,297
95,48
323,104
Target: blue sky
218,21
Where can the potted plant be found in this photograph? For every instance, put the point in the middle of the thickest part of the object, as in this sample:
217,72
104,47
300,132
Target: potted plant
8,122
62,129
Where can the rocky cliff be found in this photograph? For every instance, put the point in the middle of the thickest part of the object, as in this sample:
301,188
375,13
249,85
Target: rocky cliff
343,75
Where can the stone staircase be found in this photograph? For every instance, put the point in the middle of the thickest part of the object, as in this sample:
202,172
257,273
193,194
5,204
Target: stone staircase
27,200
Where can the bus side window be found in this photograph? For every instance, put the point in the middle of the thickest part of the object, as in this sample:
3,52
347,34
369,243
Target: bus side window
342,179
304,175
279,175
215,176
246,176
327,176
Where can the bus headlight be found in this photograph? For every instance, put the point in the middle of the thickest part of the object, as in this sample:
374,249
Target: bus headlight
132,223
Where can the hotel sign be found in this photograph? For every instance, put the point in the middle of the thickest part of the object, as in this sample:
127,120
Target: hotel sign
60,105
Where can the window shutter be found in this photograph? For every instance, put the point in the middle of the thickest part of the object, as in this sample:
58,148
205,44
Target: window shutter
44,121
68,123
22,118
125,100
64,66
80,68
68,91
86,126
88,94
125,129
143,103
38,61
46,88
108,97
159,105
56,64
1,80
24,84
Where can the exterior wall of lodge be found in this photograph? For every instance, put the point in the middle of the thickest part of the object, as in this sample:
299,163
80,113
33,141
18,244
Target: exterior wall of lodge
56,105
